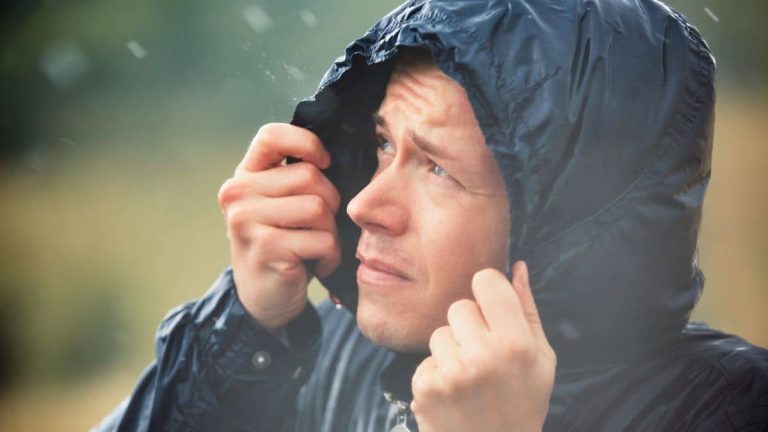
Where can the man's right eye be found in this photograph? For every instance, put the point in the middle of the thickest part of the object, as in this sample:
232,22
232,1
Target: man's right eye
384,145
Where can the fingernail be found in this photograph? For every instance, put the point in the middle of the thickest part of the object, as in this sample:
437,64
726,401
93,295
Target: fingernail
478,277
520,275
524,275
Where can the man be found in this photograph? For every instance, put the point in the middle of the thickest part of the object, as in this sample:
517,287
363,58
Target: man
573,135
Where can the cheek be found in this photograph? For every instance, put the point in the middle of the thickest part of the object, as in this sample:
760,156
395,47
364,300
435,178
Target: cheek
457,243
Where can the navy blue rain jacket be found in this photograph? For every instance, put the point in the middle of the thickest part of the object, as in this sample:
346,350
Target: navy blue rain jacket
599,114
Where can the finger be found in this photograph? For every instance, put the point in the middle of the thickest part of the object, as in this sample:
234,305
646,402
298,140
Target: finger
467,323
422,383
297,212
327,264
300,245
295,179
317,245
444,349
498,302
427,366
302,178
521,283
276,141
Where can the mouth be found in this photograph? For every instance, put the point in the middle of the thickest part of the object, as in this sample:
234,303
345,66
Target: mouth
375,271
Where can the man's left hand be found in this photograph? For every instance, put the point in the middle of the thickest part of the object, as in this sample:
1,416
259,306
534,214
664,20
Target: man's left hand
491,368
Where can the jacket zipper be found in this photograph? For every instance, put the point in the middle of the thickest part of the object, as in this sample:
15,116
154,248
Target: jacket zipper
401,424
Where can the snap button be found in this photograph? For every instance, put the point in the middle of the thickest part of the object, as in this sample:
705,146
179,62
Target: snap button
261,360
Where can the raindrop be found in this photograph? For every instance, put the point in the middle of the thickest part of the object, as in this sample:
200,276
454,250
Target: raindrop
255,16
294,72
68,141
64,63
310,20
136,49
270,75
712,15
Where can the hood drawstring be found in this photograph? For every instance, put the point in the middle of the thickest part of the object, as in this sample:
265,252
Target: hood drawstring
401,423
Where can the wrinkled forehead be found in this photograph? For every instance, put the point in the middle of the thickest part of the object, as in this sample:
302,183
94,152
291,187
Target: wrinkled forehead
422,93
420,87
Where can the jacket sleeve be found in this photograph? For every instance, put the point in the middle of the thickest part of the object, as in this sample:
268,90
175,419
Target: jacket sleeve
217,369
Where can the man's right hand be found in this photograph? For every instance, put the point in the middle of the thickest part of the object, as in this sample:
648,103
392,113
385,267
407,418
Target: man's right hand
279,216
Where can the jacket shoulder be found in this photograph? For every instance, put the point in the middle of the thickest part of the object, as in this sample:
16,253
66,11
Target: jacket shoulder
728,356
732,375
709,381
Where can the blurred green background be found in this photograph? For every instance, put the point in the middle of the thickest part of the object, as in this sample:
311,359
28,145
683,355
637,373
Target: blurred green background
120,120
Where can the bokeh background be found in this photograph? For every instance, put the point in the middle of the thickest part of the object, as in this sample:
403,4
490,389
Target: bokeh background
119,120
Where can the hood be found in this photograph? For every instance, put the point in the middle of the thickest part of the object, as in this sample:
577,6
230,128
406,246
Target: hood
599,114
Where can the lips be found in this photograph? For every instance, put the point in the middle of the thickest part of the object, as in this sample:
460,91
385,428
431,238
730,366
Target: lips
373,270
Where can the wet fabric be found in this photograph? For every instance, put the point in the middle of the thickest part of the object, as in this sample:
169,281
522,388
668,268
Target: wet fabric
599,114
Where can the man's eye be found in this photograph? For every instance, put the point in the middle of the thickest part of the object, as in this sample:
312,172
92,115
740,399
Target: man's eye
439,171
385,146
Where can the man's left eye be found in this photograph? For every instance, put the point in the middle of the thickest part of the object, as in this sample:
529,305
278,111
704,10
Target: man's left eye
384,145
439,171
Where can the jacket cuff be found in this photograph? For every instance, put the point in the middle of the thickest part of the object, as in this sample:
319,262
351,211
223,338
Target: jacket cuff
240,349
237,365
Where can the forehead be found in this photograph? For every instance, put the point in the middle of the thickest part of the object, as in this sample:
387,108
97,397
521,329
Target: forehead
424,97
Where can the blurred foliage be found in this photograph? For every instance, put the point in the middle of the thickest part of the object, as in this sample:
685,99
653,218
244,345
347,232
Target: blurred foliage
68,75
119,120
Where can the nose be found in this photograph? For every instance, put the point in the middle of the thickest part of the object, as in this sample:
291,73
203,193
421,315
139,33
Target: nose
382,206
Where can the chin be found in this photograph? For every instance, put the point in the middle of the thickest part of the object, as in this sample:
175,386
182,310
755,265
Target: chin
394,331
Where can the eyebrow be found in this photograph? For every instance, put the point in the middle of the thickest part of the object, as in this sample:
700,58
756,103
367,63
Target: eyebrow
423,144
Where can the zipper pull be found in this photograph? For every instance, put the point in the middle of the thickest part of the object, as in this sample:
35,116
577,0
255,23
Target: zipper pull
401,427
402,413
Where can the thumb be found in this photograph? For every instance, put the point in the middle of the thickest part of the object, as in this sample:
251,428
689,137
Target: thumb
522,286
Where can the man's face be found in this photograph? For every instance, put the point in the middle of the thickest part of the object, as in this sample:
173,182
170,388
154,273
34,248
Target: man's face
435,212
